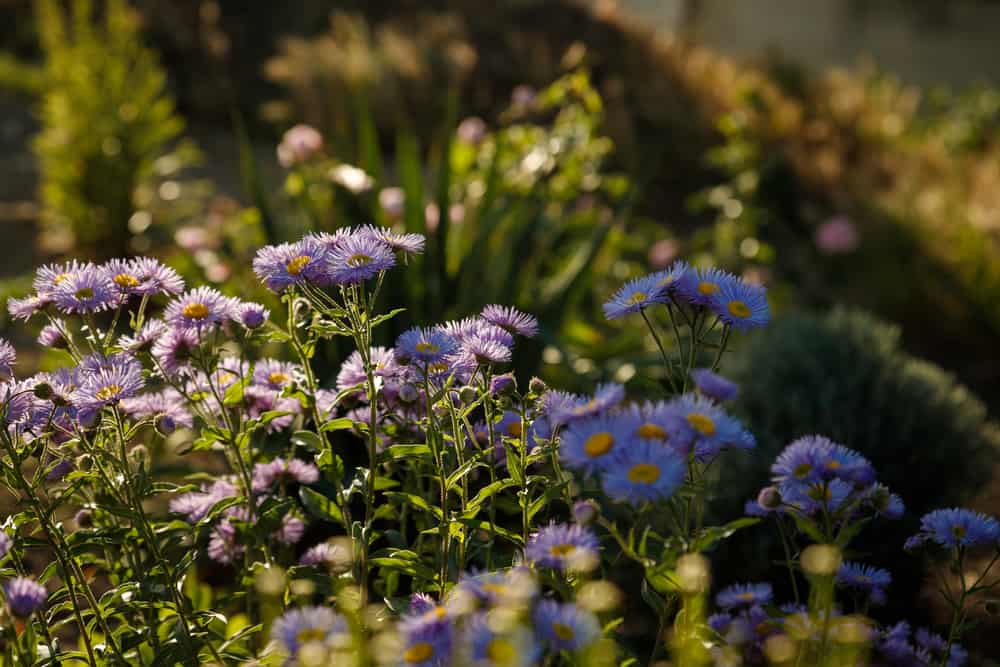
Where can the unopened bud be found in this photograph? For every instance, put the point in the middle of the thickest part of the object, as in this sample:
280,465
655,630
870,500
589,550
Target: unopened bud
769,498
537,386
408,393
502,385
467,395
584,511
44,391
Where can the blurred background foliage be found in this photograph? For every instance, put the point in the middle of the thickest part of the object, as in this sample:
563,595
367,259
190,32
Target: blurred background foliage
550,150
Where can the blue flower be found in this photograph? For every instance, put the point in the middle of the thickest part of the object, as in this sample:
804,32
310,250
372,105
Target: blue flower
565,627
825,496
744,595
871,581
813,458
297,627
710,428
199,308
425,347
564,408
281,266
635,296
511,319
563,546
671,277
713,385
427,638
956,527
357,258
884,503
86,290
645,471
700,286
252,315
663,422
8,357
588,445
741,305
488,648
24,596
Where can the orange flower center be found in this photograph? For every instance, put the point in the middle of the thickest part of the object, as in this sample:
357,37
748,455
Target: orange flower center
702,423
644,473
599,444
195,311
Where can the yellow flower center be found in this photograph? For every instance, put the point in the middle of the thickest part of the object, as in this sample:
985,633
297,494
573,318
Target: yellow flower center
496,589
295,266
359,259
738,309
195,311
707,288
638,297
436,612
651,432
644,473
419,652
702,423
438,368
748,596
514,429
425,347
125,280
84,293
667,280
278,378
109,392
501,652
560,550
599,444
224,376
833,465
61,277
802,469
310,635
563,631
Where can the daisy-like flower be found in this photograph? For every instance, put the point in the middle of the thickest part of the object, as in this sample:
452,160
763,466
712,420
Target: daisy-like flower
427,638
711,429
700,286
198,309
298,627
744,595
825,496
634,296
49,276
511,319
663,422
24,596
5,544
154,277
645,471
713,385
358,258
281,266
411,244
173,349
167,405
670,278
145,337
741,305
352,371
871,581
261,399
252,315
223,546
275,374
956,527
468,328
488,648
8,357
197,504
265,475
425,347
813,458
23,309
327,554
52,336
564,408
589,445
486,351
86,290
563,547
883,502
291,531
565,627
109,385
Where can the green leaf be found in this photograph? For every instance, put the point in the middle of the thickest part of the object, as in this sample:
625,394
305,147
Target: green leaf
320,506
307,439
808,526
405,451
415,501
339,424
712,534
385,317
486,493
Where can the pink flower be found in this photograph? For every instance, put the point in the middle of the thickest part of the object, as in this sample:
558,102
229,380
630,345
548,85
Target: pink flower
300,144
838,235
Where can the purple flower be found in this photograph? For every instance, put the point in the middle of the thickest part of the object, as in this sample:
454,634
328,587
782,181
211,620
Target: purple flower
275,374
8,357
51,335
252,315
87,290
501,385
744,595
325,553
167,405
23,309
173,349
223,546
5,543
352,371
24,596
266,474
511,319
199,308
713,385
196,504
155,278
411,244
358,258
565,627
561,546
121,378
281,266
299,144
427,347
956,527
291,531
261,399
308,624
50,276
147,335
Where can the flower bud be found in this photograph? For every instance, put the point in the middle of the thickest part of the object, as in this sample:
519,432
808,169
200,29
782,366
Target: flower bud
408,393
44,391
165,425
584,511
503,385
84,518
769,498
537,386
467,395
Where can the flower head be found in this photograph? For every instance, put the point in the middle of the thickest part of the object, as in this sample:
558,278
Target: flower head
700,286
741,305
198,309
511,319
564,408
645,471
146,336
563,547
713,385
635,296
294,470
297,627
252,315
711,429
565,627
86,290
744,595
589,445
427,637
359,257
23,309
275,374
109,384
489,648
956,527
51,334
411,244
24,596
281,266
871,581
8,357
172,350
670,278
426,347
